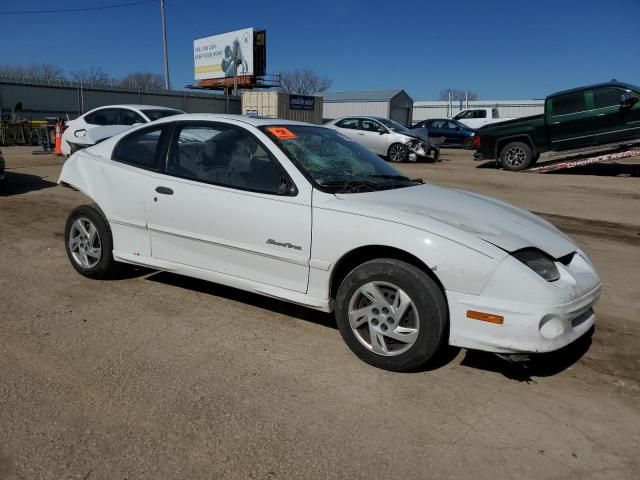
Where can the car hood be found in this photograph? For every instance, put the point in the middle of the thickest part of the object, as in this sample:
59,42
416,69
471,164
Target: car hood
419,133
461,216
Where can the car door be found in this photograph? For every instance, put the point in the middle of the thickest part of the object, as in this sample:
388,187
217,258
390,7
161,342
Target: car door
225,204
349,127
570,121
373,135
455,133
612,121
124,185
437,129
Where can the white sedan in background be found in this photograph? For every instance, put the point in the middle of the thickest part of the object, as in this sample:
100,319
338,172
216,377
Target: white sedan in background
104,122
407,267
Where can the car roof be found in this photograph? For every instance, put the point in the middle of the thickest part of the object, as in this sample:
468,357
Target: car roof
612,83
134,106
250,120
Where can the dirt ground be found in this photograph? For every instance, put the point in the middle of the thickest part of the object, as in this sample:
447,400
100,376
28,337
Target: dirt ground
159,376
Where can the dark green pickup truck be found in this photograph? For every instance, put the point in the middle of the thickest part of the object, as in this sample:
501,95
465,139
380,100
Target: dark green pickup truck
584,117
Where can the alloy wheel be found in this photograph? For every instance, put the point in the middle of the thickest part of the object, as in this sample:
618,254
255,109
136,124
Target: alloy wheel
396,153
84,243
515,157
384,318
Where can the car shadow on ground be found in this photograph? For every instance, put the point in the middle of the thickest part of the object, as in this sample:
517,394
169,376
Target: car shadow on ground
17,183
253,299
538,365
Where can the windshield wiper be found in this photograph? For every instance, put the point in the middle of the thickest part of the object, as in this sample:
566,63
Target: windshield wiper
351,185
398,177
390,177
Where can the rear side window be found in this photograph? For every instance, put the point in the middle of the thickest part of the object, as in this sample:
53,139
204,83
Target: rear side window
570,103
606,97
348,123
129,117
495,113
106,116
141,149
158,114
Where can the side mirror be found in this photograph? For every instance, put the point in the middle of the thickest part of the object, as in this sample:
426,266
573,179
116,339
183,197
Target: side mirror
382,130
627,100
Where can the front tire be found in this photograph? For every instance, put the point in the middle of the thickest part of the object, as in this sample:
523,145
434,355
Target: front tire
516,156
398,153
391,314
89,243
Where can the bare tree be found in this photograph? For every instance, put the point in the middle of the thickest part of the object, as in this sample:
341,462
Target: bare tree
303,81
456,95
36,71
45,72
91,76
143,81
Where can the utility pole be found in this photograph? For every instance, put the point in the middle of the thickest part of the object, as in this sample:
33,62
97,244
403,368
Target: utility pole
164,46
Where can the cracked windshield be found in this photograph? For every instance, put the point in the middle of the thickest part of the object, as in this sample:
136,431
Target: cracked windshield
334,161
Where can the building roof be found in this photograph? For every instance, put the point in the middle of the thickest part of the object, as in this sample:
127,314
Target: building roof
362,96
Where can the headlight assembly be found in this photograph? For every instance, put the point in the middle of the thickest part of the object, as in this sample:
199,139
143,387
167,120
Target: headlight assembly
539,262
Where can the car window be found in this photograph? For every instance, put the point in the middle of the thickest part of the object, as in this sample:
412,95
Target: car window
479,114
452,125
369,125
227,156
158,114
438,124
140,149
569,103
606,97
105,116
129,117
348,123
495,113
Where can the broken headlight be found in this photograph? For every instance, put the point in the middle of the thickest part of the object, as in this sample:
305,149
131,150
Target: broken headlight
539,262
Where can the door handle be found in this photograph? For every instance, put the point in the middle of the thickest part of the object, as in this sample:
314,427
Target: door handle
164,190
555,123
360,133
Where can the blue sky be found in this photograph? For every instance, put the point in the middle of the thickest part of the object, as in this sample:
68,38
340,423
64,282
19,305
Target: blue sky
501,49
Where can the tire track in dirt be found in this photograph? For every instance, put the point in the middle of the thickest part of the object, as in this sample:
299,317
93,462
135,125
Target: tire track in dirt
629,234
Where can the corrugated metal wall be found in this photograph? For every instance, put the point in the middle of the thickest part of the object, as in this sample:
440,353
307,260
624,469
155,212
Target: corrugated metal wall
506,108
39,101
333,110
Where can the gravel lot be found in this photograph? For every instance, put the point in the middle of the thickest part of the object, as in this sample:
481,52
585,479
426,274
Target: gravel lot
160,376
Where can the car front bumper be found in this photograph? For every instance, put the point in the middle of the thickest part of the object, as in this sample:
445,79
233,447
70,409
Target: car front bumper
526,328
527,314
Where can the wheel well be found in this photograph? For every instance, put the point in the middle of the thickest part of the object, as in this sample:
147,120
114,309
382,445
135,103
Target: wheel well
524,139
360,255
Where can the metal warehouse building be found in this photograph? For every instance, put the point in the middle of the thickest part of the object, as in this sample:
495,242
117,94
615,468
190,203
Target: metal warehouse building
393,104
506,108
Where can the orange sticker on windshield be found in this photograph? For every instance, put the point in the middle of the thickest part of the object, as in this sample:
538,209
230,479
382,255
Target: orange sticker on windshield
282,133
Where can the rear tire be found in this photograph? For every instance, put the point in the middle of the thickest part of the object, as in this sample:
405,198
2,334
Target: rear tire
391,314
516,156
398,153
89,243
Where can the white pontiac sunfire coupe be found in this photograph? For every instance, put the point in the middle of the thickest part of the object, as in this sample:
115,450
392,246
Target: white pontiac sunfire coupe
303,213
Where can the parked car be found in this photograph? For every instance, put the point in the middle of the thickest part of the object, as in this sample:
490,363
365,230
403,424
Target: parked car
479,117
407,267
104,122
385,137
453,132
579,118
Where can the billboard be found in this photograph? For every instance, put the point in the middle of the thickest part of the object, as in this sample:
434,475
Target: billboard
213,57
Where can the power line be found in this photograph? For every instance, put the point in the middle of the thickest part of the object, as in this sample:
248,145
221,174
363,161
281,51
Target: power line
69,10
